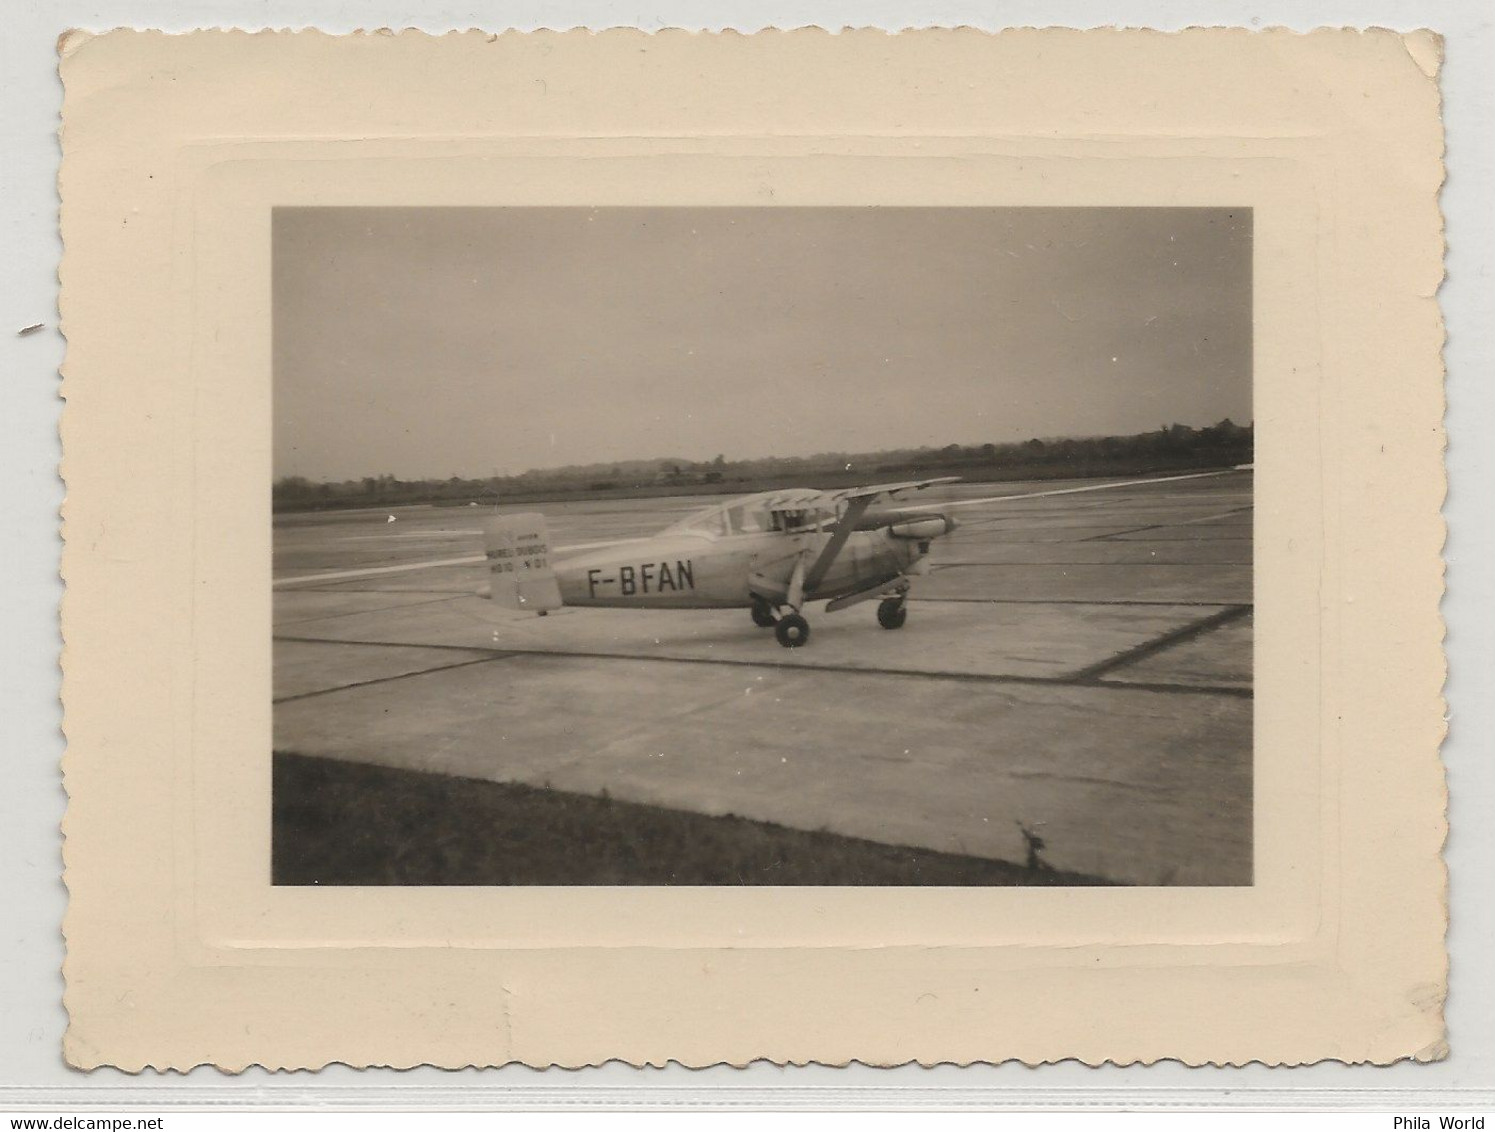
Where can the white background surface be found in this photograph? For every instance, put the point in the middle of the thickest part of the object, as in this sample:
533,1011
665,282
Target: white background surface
31,801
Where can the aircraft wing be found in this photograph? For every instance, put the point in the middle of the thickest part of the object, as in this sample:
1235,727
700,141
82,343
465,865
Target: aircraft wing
1078,490
876,490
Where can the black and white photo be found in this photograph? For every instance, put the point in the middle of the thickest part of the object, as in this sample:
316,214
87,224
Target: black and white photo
763,546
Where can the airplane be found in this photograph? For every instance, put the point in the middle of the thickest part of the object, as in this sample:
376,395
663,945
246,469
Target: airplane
770,553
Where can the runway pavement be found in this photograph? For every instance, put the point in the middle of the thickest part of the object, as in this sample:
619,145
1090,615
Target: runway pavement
1078,663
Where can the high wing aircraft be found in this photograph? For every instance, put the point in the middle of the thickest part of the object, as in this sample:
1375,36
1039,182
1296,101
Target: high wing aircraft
769,553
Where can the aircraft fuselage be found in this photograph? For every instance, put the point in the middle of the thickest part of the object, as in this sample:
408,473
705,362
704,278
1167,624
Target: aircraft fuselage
693,572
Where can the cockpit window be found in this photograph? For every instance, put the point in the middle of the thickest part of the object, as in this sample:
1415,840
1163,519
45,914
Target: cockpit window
747,520
712,523
751,514
792,520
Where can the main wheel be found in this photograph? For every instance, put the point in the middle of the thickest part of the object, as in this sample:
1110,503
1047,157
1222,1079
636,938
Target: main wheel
792,631
892,613
763,614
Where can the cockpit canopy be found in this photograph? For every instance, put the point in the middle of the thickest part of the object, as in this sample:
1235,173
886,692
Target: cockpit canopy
756,514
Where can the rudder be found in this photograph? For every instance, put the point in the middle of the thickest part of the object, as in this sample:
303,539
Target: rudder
519,571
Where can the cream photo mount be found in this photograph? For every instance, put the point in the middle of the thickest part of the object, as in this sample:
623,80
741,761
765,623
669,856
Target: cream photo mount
1335,950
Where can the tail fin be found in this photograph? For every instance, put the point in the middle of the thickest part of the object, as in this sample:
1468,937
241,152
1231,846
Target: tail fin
519,570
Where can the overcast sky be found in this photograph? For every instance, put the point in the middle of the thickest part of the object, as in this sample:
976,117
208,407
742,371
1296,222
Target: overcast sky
440,341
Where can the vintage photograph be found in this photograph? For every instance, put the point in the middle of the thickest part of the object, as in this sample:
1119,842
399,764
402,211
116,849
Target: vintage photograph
762,546
571,564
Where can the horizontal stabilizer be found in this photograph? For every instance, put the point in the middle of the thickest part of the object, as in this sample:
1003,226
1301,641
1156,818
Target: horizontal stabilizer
519,571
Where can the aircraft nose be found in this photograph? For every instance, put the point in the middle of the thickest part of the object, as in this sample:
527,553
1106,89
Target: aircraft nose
950,524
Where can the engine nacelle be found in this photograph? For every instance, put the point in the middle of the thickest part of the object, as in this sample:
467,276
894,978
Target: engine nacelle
923,529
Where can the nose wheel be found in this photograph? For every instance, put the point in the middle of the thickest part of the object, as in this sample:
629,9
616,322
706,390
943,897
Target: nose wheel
792,630
892,612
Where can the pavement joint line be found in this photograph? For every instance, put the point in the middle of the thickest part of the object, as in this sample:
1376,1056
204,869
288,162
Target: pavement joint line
323,577
943,598
389,644
1169,525
391,679
1093,673
336,589
1109,565
991,528
1120,537
370,571
1181,602
1073,681
377,609
1196,540
1109,535
1218,515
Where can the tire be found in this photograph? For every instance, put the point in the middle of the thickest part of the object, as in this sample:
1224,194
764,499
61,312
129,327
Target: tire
792,631
892,613
763,614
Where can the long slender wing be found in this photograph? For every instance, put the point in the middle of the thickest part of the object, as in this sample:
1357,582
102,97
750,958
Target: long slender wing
1076,490
876,490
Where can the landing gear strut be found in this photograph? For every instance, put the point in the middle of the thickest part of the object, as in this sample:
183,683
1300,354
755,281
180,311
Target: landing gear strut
763,614
892,612
792,630
788,626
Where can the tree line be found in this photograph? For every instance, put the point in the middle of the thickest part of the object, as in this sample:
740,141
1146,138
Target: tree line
1167,447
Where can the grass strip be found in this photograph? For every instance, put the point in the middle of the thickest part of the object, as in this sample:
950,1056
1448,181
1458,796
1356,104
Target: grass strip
342,823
